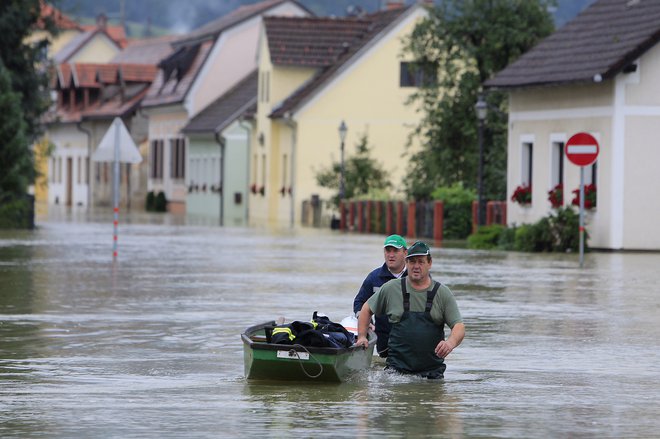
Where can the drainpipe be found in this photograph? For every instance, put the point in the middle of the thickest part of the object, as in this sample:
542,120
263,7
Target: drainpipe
248,132
222,142
88,164
288,120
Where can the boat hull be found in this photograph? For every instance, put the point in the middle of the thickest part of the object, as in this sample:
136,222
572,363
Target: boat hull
280,362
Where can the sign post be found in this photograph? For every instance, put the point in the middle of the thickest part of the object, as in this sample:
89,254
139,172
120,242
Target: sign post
117,146
582,150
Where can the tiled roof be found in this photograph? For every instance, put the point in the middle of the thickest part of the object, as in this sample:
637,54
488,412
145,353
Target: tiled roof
224,110
60,20
116,33
242,13
122,87
176,75
146,51
602,40
314,42
361,30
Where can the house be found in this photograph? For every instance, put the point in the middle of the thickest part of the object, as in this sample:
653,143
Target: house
217,180
314,74
205,65
89,97
597,74
95,44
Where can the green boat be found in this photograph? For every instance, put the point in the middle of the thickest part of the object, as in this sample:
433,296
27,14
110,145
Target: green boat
282,362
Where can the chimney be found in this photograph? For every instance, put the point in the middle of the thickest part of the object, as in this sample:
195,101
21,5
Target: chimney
101,20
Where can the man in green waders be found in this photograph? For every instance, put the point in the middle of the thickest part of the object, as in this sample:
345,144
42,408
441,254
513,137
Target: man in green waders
418,309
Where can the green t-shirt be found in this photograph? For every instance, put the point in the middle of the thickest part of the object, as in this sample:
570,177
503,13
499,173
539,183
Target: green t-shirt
389,301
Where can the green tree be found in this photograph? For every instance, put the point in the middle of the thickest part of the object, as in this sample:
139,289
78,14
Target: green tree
362,175
463,43
26,63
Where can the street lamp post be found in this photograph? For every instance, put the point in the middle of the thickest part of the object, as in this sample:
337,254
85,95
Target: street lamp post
343,129
482,108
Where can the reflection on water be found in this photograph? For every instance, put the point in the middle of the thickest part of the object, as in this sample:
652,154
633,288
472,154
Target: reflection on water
150,346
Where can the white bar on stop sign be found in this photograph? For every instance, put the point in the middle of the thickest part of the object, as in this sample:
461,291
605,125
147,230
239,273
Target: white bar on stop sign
582,149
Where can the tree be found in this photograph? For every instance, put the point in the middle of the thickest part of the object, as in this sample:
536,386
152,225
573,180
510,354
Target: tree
23,98
363,176
462,43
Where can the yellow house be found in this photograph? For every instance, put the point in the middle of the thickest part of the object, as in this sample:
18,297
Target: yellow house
315,73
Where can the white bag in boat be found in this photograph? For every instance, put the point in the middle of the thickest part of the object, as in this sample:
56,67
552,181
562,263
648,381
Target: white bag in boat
351,324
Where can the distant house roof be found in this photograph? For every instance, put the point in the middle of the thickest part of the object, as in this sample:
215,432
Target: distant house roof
121,88
598,44
242,13
176,75
60,20
327,43
227,108
146,51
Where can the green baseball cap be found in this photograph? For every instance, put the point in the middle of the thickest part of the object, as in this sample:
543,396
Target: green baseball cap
395,241
419,248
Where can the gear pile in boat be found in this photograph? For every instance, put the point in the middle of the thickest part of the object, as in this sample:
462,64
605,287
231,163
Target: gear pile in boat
319,332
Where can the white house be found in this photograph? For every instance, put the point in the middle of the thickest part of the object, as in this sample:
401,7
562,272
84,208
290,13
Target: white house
597,74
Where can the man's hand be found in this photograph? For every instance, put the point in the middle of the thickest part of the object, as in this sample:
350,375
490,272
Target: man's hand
362,341
444,348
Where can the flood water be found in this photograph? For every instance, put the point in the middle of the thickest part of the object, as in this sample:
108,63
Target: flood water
150,347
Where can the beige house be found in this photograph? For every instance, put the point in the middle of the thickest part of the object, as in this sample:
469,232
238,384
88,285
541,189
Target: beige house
598,74
205,65
315,73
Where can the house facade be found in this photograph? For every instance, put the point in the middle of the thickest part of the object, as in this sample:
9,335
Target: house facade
205,64
597,75
314,74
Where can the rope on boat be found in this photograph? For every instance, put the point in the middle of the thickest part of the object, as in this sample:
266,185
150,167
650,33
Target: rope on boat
310,356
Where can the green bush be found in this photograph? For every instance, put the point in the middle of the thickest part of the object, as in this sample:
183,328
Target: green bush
160,204
17,213
156,202
487,237
150,202
457,221
558,232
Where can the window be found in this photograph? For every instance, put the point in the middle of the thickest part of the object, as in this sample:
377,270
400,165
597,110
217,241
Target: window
284,170
526,162
413,74
157,159
177,158
264,86
557,163
591,174
79,168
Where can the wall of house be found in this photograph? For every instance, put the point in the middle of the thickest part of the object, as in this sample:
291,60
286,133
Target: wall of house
203,180
641,154
67,183
100,49
271,139
542,117
166,123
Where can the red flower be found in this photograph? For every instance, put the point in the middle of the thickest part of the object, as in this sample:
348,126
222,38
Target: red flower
522,194
556,196
589,196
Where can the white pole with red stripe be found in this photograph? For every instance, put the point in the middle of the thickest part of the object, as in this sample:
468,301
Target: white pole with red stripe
115,192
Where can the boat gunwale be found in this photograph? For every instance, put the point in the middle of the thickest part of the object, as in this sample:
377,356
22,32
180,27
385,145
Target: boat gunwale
256,345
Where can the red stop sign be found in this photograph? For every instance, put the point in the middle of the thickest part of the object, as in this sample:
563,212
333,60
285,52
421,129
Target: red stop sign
582,149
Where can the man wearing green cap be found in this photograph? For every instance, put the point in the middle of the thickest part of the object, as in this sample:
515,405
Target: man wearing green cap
394,267
418,308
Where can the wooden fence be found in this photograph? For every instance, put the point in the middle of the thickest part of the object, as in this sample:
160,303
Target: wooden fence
413,219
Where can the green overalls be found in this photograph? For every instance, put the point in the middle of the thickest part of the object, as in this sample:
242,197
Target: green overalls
413,340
